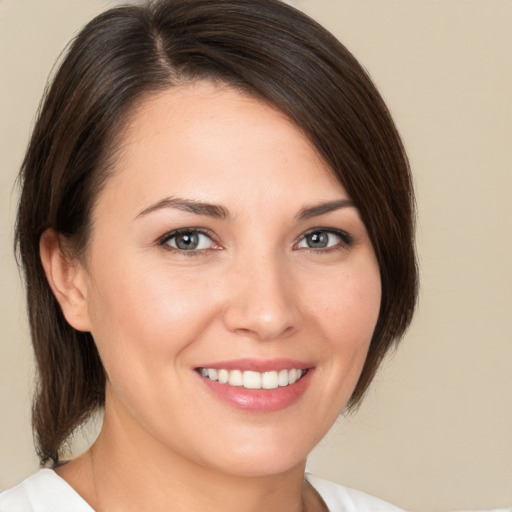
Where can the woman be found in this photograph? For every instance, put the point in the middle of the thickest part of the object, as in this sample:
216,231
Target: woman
216,230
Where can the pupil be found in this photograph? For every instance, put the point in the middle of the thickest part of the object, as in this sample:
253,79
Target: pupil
187,241
317,240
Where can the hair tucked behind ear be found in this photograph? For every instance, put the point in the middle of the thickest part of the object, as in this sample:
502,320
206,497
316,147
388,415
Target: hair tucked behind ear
266,49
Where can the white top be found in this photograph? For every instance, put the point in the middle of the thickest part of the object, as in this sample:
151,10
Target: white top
45,491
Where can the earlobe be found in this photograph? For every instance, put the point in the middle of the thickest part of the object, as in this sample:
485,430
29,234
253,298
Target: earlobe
66,278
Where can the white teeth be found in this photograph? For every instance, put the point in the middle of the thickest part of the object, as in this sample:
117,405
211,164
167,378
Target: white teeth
236,378
253,380
223,376
282,379
269,380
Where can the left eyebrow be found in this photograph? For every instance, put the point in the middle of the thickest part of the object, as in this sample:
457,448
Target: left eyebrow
320,209
187,205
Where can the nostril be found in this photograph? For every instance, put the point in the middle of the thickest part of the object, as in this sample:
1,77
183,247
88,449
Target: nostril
263,308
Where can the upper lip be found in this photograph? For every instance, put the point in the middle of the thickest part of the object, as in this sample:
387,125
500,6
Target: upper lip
258,365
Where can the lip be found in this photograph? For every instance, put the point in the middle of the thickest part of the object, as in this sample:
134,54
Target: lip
258,400
257,365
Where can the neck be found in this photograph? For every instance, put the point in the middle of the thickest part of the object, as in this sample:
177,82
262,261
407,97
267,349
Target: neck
122,473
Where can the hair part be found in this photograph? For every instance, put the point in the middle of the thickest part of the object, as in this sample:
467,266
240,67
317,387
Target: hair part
261,47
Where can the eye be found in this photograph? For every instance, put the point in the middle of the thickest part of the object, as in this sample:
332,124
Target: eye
188,240
324,239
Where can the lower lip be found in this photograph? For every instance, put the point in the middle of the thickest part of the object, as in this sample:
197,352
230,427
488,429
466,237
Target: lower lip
259,400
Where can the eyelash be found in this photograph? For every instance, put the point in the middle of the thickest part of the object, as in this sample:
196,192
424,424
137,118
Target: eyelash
346,240
164,241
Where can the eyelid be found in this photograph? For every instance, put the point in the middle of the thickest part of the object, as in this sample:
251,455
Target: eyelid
162,241
346,239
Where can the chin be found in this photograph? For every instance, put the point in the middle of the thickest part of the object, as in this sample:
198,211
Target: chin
259,467
260,457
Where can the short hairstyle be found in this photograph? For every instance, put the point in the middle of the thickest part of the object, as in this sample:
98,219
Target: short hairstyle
263,48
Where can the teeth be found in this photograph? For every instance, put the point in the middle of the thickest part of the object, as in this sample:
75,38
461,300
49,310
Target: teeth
223,376
269,380
236,378
282,379
254,380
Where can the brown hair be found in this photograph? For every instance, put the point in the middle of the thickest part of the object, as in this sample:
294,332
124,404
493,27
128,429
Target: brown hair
262,47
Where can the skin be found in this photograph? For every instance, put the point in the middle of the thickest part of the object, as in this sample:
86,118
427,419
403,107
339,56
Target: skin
254,290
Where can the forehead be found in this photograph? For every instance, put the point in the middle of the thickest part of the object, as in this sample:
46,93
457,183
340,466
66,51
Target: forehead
211,142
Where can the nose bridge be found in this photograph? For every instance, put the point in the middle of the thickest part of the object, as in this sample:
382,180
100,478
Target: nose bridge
261,297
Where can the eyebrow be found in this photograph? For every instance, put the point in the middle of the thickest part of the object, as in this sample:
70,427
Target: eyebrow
217,211
320,209
187,205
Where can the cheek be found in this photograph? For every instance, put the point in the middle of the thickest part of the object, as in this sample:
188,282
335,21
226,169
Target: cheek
347,315
143,314
349,307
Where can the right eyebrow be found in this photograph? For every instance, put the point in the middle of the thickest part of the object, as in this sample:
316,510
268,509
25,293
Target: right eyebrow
187,205
321,209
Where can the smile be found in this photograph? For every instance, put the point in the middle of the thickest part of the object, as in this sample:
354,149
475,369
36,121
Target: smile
252,379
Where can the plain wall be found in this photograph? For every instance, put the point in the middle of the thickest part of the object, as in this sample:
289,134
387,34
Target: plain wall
435,432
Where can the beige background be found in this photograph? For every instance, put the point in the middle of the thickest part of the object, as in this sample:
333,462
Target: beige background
435,433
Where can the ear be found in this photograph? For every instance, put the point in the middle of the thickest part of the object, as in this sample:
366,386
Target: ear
67,279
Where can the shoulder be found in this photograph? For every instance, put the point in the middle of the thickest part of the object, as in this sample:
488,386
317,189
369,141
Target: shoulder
343,499
44,491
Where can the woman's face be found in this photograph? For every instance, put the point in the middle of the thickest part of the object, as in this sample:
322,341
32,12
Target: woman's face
224,249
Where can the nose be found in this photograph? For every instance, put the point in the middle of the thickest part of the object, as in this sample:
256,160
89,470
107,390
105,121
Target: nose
262,301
